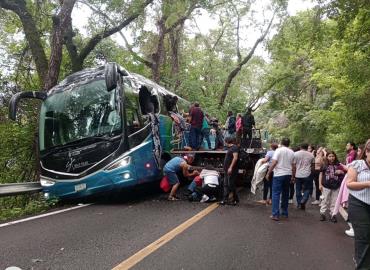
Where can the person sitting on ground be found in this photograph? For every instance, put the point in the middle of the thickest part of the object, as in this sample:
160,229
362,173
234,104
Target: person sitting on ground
231,172
330,180
175,165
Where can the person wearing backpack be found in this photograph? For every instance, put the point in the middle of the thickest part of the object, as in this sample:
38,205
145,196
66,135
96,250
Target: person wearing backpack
206,131
248,124
230,124
330,180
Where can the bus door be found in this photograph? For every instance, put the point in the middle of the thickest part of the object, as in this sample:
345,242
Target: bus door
139,136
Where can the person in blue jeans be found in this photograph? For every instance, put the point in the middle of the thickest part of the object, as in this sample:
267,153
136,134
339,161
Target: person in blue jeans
174,166
304,162
196,121
284,171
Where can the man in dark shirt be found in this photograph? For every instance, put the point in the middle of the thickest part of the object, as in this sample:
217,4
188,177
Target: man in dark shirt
248,124
196,121
231,171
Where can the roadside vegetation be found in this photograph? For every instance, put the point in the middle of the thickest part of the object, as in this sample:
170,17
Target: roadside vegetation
314,86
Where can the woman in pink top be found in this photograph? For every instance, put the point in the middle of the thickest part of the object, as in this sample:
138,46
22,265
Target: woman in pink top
239,128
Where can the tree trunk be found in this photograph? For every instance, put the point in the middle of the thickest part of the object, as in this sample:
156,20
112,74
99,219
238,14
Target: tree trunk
60,24
175,38
32,35
158,55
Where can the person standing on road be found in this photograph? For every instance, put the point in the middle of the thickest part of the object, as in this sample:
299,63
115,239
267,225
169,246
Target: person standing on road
196,120
319,165
267,184
174,166
304,162
231,171
284,172
358,183
330,180
351,152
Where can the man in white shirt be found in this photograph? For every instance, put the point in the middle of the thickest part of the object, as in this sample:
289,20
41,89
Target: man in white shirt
284,172
304,162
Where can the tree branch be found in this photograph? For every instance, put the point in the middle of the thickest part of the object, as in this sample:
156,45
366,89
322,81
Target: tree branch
31,33
237,69
128,46
108,32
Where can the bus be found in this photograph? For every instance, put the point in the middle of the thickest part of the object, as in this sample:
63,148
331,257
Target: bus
103,130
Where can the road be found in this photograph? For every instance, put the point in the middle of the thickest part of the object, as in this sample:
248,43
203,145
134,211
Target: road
103,235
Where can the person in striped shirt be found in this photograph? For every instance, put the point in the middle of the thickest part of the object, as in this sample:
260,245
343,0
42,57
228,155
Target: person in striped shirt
358,183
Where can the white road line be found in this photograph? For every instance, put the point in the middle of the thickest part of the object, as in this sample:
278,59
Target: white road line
43,215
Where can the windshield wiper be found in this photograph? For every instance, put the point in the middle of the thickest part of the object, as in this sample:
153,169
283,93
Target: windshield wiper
80,142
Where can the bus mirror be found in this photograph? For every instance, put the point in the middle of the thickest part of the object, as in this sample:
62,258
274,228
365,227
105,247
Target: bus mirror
111,76
13,104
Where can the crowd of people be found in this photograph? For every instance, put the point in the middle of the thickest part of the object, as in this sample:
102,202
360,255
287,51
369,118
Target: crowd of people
339,187
197,127
307,171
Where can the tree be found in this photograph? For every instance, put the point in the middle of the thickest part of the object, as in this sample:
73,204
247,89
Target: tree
61,32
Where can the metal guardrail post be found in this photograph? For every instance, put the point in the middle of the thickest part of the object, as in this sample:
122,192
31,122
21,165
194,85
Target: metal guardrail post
13,189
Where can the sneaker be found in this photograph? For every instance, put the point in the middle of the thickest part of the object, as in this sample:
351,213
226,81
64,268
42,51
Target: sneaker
315,202
333,219
213,199
322,217
204,198
290,201
274,218
303,206
350,232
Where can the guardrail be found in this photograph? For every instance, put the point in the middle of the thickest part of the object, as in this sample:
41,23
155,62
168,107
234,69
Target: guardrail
19,188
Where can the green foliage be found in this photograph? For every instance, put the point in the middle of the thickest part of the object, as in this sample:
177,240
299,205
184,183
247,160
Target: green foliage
21,205
326,85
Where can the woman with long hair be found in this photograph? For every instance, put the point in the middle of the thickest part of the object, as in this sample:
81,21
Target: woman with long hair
330,180
358,183
319,165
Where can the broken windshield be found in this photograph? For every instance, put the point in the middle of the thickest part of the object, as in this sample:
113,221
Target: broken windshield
85,111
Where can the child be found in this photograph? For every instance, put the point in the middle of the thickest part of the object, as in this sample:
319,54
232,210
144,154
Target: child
330,180
231,171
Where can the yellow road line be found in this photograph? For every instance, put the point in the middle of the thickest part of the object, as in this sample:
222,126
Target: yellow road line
140,255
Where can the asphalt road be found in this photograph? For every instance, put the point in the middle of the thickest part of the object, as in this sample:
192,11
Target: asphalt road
102,235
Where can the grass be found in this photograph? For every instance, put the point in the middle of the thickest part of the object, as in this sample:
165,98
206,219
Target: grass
24,205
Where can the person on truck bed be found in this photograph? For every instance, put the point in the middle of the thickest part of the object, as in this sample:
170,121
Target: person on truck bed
248,124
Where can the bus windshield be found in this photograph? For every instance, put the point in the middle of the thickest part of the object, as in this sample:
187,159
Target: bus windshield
86,111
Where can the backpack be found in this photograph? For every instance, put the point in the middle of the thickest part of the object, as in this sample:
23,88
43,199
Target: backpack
232,124
330,179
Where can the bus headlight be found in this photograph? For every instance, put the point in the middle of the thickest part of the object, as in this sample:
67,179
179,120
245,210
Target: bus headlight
46,182
123,162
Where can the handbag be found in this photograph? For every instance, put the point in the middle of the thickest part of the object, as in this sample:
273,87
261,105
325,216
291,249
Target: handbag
165,184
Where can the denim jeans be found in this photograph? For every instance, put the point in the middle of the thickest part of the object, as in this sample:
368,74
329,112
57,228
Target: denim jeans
192,186
205,135
359,214
305,185
195,134
280,186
